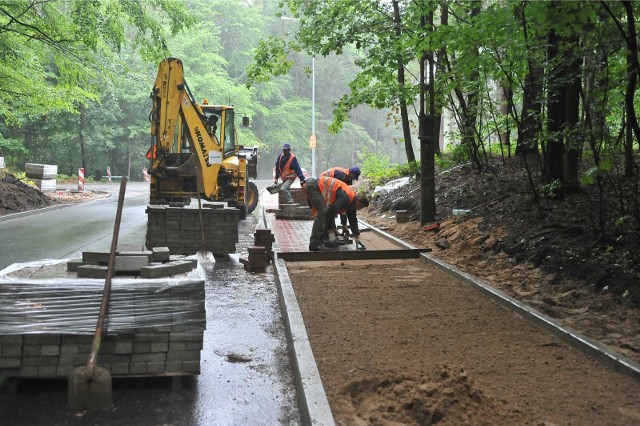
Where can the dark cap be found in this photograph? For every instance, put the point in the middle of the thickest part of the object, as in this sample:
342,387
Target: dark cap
355,171
286,146
364,200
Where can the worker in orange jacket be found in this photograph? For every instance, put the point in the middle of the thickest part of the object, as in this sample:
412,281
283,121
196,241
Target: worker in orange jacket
329,197
347,176
287,169
343,174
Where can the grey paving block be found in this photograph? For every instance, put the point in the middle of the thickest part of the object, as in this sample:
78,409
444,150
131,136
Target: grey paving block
150,357
46,371
28,371
73,264
191,366
47,350
11,362
138,368
161,254
92,271
42,339
183,356
155,367
160,347
95,257
157,271
11,340
173,366
12,351
131,263
121,369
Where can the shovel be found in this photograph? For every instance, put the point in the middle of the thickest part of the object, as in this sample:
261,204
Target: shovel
90,386
275,188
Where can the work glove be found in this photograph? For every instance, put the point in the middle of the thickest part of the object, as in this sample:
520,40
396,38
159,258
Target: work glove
333,242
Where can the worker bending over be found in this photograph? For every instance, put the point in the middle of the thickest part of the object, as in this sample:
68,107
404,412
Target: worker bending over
329,197
345,175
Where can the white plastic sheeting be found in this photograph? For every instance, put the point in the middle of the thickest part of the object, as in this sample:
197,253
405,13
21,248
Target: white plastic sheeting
71,305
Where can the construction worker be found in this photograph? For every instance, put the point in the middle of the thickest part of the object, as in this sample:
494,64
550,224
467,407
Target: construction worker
328,197
287,168
345,175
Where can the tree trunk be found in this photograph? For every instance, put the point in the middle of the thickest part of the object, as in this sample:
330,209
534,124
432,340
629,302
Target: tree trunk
404,114
573,141
428,131
554,152
529,126
633,68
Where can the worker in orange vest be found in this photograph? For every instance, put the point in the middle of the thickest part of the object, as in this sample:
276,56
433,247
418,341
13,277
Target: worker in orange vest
347,176
328,197
287,169
343,174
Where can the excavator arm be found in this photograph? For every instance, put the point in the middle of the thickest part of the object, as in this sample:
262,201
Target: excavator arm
186,157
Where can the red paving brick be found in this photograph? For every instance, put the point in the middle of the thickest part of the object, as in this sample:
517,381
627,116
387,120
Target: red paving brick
290,235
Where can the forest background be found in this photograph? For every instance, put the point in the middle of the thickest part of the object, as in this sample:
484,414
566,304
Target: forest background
551,84
76,80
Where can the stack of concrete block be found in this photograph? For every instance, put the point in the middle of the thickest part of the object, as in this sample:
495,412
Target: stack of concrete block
157,263
298,195
44,175
179,228
258,259
153,327
298,210
264,237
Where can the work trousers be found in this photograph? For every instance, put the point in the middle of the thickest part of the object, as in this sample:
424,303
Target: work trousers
286,189
319,228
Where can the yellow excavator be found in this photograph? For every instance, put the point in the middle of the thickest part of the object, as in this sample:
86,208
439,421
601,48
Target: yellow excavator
194,151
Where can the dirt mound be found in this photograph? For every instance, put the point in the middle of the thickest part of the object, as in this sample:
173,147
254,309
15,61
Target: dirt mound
441,397
17,196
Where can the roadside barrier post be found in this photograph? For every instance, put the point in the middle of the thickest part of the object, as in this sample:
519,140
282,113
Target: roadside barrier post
146,174
81,179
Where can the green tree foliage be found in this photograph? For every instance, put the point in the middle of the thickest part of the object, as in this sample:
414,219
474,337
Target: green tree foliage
61,67
369,33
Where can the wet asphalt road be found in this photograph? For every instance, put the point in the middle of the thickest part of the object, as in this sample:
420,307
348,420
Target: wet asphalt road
246,376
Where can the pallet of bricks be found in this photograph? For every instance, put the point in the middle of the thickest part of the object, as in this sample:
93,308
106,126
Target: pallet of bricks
44,175
180,229
154,327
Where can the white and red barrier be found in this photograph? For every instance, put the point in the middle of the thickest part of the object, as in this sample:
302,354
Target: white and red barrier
146,174
81,179
109,173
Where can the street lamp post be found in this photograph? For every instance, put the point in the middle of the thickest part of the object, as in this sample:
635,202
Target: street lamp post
312,138
313,116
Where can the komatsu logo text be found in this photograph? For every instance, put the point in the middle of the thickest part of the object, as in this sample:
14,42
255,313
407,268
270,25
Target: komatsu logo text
203,148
